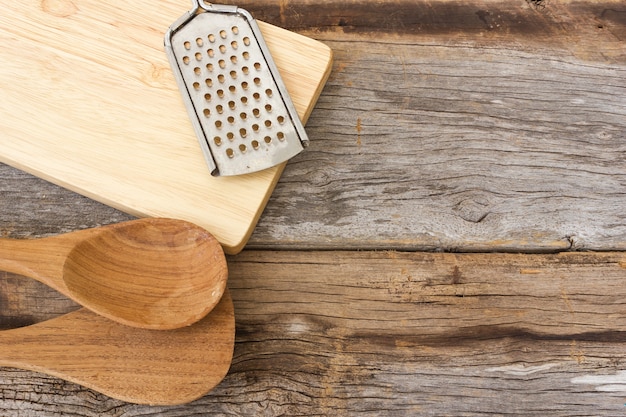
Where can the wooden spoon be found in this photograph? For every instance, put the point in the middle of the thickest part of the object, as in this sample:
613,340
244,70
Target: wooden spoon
134,365
151,273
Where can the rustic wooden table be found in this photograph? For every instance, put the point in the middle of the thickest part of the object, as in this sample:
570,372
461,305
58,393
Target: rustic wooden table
452,243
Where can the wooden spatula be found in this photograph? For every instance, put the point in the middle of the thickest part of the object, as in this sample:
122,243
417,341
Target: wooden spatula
131,364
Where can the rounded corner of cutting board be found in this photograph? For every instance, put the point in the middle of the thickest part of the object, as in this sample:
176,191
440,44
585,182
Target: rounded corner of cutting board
235,247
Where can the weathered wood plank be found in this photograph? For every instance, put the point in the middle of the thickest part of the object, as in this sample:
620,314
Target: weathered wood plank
448,148
441,146
33,207
390,333
459,125
439,132
594,27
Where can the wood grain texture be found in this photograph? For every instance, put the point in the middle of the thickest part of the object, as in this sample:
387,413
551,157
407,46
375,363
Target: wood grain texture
598,27
390,333
90,103
481,125
457,140
458,146
151,273
136,365
459,125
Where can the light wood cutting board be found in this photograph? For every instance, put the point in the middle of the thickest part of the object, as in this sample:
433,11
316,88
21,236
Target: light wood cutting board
88,101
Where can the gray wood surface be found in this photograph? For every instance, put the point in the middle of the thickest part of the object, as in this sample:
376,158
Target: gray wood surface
459,125
458,147
455,133
453,126
391,333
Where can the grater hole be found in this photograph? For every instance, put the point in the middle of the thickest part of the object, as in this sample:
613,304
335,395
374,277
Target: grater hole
186,60
268,108
207,112
257,66
242,148
246,41
230,136
268,123
223,34
220,78
281,119
209,82
233,74
220,93
267,139
231,119
196,86
211,38
255,144
257,80
209,67
218,124
269,92
199,42
280,136
234,44
256,112
233,59
219,108
223,49
187,45
245,70
255,127
196,70
231,104
232,89
246,55
210,53
198,56
244,85
244,100
243,133
256,96
207,97
222,63
217,140
235,30
243,116
230,153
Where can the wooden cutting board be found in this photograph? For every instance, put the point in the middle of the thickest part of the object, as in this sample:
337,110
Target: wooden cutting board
89,102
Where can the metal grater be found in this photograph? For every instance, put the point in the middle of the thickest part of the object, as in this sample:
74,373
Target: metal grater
239,107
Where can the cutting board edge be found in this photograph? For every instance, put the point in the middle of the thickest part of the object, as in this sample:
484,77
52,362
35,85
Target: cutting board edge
231,248
235,249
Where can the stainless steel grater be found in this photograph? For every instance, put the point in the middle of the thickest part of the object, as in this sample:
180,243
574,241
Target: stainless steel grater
240,109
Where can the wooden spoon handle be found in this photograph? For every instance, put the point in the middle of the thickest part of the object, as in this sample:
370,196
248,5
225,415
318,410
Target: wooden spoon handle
41,259
135,365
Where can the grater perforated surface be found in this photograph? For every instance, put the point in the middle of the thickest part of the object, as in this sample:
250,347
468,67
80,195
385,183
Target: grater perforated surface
234,94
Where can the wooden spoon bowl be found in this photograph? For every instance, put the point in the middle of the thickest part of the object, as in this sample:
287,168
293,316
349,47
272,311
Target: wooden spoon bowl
151,273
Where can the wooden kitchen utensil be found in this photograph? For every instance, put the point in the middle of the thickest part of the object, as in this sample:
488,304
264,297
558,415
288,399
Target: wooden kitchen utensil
89,102
135,365
151,273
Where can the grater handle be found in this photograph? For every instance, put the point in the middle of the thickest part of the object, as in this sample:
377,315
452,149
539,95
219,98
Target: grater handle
205,5
201,4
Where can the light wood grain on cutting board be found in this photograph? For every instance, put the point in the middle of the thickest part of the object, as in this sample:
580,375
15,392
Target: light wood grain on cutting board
90,103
